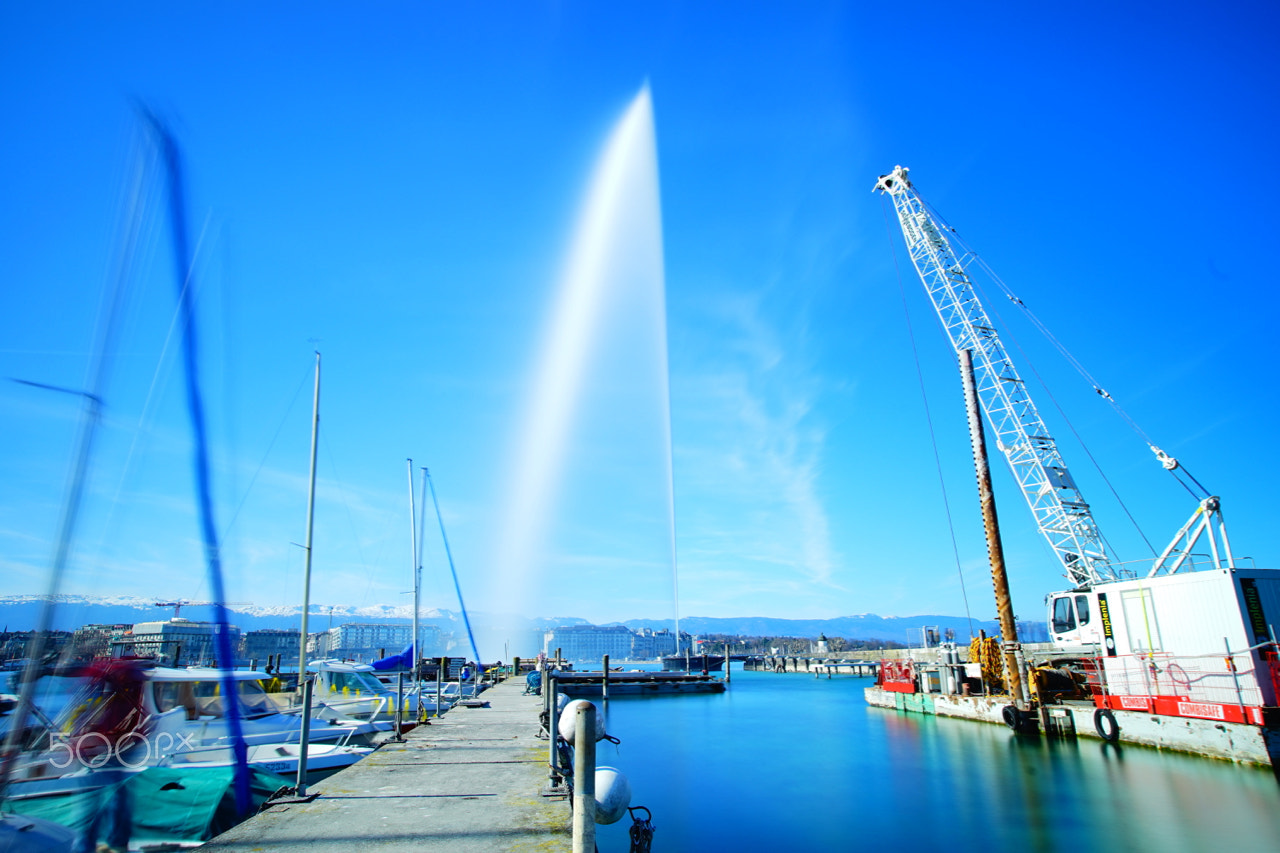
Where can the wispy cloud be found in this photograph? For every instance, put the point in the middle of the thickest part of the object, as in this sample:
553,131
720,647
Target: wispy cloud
750,451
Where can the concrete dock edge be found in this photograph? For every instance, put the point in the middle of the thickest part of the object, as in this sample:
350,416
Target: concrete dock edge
470,781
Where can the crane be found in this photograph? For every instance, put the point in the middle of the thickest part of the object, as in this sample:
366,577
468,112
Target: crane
1136,635
1061,512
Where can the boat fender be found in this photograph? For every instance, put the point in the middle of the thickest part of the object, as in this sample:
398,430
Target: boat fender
1012,718
1104,722
568,722
613,794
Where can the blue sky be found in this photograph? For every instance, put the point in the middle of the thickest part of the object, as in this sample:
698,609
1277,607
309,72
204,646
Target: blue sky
399,186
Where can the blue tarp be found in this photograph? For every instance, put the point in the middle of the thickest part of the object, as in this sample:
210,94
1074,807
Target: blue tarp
404,660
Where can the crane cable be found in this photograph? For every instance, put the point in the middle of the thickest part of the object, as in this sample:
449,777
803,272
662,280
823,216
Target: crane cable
937,457
1173,466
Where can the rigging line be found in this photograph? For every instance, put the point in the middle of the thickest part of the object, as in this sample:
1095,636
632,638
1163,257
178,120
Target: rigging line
466,619
1044,386
97,373
937,457
1060,347
306,374
159,379
342,490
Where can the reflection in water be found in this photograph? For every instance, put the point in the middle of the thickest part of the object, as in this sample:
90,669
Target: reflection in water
785,762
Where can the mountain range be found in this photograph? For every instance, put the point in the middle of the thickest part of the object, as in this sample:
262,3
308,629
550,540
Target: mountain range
21,613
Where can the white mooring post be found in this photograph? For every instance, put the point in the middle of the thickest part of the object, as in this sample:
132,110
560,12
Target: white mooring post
584,779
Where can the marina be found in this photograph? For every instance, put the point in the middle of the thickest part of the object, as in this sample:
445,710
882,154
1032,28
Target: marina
645,398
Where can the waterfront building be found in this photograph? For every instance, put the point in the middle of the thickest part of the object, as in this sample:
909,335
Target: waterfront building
178,641
13,644
364,641
98,641
260,645
588,642
647,644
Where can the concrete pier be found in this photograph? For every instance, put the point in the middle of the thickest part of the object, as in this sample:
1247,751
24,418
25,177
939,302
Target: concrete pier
470,781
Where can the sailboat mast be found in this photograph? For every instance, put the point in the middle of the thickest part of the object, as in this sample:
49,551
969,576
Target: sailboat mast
417,584
417,573
311,517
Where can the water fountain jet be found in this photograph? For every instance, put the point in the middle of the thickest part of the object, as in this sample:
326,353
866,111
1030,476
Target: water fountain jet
604,342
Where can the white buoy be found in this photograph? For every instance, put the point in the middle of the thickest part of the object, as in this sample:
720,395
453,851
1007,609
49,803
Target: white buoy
613,794
566,724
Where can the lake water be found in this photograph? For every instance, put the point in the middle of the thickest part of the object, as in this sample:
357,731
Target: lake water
784,762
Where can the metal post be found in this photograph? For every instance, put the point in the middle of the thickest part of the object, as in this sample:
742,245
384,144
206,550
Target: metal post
584,779
441,672
300,787
399,705
727,666
549,687
1235,676
604,684
999,577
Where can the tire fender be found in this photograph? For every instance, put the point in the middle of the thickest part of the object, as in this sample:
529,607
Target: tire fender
1104,723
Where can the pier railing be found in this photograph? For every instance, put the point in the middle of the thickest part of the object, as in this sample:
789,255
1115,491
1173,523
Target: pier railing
1225,679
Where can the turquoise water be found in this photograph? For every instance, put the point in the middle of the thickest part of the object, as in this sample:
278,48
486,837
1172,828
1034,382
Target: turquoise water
792,762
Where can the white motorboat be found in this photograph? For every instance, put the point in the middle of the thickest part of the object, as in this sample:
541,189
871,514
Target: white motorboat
353,690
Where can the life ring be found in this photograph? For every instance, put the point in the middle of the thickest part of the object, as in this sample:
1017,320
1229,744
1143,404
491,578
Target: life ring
1012,718
1104,722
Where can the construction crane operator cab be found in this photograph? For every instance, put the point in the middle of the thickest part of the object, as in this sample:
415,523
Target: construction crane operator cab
1074,618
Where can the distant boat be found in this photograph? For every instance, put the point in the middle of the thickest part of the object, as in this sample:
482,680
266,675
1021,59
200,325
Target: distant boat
693,663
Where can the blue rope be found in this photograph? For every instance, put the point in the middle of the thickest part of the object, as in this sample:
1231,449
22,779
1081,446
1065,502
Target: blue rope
195,407
466,620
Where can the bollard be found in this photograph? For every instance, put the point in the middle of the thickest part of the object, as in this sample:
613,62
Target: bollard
584,780
304,738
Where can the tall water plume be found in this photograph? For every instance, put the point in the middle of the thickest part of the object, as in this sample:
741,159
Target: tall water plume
588,528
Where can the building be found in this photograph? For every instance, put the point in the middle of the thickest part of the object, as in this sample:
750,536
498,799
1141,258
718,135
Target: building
260,645
178,642
588,642
651,645
357,641
89,642
14,644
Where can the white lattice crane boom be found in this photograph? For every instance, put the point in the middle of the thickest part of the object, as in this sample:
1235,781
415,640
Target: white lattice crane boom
1060,511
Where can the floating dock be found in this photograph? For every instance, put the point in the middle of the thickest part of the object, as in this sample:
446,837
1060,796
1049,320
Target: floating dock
637,683
470,781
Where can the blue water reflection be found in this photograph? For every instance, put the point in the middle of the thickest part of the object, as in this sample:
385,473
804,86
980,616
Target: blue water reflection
791,762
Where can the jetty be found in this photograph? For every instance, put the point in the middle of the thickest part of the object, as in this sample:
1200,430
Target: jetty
825,665
636,683
472,780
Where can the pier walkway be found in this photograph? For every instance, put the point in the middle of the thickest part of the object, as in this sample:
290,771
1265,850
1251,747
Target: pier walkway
470,781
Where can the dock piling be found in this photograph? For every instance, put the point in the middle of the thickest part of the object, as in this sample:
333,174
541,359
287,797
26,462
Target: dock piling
584,779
